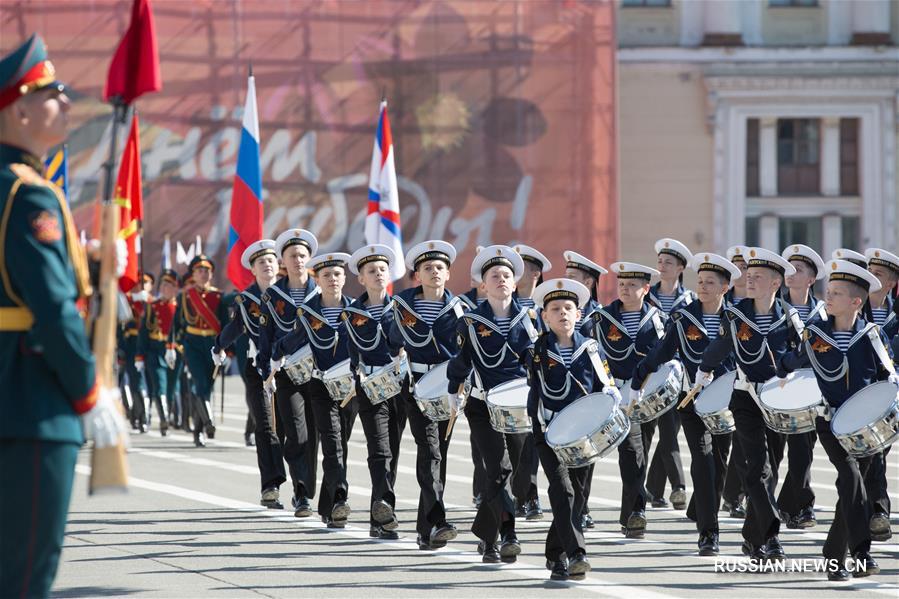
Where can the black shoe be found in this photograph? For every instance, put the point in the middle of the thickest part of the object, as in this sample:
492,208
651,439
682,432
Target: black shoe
271,499
199,439
142,427
340,512
880,527
587,522
249,440
301,507
521,509
806,518
773,550
443,533
864,565
578,566
510,548
841,574
382,513
426,544
163,428
708,543
489,553
735,510
332,523
210,430
378,532
678,499
636,526
756,555
559,570
660,502
534,510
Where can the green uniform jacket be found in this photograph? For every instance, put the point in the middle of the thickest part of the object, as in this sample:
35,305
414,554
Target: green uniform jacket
47,374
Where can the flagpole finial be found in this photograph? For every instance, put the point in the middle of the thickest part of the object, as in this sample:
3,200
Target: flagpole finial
384,93
251,69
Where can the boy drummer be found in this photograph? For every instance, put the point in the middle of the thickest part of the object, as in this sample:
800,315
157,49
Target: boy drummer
847,354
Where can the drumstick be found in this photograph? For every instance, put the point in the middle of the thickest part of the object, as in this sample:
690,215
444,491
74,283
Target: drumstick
351,395
452,420
215,372
693,393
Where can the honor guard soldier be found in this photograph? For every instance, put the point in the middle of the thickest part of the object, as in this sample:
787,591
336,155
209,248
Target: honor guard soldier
318,319
797,499
46,367
586,272
847,355
626,330
884,312
293,410
424,325
365,323
155,329
561,370
756,332
260,259
130,358
689,330
198,319
493,341
668,295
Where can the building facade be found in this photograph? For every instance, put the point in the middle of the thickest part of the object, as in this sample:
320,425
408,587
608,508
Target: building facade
763,122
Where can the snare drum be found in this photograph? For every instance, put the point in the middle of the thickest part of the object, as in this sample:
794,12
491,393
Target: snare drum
338,380
299,365
587,429
507,405
868,422
791,409
431,395
385,382
661,392
712,405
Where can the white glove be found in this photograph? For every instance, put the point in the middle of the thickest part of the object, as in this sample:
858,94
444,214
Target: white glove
894,378
270,386
703,379
105,423
614,393
636,396
140,296
121,257
456,401
218,357
139,365
787,379
171,358
275,365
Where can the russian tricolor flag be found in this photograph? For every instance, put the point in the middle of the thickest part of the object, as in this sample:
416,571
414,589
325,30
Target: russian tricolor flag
382,223
246,195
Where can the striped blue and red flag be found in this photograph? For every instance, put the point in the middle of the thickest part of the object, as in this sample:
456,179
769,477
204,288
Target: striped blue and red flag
246,194
382,223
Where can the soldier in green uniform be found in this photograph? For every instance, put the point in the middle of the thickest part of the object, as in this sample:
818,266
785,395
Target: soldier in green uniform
201,310
47,372
131,360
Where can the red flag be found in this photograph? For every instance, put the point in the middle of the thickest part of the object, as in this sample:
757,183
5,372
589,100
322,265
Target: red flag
134,69
129,198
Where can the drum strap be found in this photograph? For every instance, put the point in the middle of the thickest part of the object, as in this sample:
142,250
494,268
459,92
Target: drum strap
879,349
657,323
458,309
529,326
744,384
794,316
598,367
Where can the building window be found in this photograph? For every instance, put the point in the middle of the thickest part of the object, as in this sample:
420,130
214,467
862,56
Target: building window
805,230
752,158
792,3
851,232
849,157
645,3
798,156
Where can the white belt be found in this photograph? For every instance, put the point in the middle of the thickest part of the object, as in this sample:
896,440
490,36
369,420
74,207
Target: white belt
362,368
748,386
477,393
420,368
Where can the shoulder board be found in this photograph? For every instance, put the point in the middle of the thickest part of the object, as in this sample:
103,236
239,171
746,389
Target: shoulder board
28,175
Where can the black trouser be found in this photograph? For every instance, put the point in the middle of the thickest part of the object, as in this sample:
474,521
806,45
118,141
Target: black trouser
849,529
632,466
298,439
876,483
566,497
796,493
588,485
666,463
268,449
477,478
708,464
524,476
733,492
327,421
431,511
348,415
376,426
762,518
396,408
497,510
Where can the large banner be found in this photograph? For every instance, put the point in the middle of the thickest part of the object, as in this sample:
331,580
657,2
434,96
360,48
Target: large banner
503,116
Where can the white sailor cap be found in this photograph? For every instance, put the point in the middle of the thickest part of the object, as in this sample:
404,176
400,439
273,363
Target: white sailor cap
575,260
435,249
762,258
709,262
496,255
327,260
804,253
882,258
737,253
632,270
850,256
529,254
555,289
296,237
376,252
843,270
257,249
674,248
